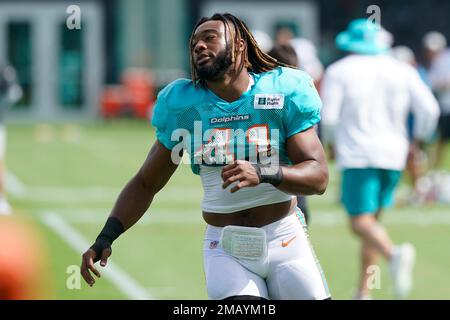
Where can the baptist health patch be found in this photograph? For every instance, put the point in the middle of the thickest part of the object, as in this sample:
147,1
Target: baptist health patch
268,101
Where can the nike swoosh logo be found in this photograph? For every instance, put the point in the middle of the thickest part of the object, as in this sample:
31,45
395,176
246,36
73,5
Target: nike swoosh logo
286,243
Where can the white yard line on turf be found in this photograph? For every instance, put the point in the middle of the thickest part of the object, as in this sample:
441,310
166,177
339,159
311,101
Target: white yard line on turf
321,218
15,186
95,194
64,195
92,194
112,272
153,216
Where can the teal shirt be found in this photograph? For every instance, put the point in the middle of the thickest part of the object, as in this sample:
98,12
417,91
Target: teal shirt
281,103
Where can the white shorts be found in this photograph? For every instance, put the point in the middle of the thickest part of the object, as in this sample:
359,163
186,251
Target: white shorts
290,270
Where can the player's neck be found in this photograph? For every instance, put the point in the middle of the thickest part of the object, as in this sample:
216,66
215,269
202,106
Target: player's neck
231,87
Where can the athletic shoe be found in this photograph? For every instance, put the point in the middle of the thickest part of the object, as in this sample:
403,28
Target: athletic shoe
401,268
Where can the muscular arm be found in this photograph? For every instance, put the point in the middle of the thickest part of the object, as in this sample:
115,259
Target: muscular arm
136,197
131,204
309,173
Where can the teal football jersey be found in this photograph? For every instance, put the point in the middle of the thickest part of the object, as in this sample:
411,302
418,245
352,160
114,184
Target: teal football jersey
280,103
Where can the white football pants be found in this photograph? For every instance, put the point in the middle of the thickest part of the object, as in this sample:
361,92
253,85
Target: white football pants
291,272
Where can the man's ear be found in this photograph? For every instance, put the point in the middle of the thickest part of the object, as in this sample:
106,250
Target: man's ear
242,45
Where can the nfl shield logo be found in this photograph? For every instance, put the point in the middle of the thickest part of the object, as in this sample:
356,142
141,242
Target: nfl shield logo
213,244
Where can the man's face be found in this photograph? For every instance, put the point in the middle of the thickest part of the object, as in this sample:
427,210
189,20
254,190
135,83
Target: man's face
430,55
210,52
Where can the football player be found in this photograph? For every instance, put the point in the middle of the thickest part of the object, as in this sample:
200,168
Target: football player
247,123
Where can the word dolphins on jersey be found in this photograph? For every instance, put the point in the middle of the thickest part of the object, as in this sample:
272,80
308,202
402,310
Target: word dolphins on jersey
221,146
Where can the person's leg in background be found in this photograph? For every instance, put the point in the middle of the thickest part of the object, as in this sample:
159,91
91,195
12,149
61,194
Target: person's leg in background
5,208
444,137
375,242
365,193
369,257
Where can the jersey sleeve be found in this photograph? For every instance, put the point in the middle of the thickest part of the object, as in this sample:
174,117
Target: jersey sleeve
163,122
303,107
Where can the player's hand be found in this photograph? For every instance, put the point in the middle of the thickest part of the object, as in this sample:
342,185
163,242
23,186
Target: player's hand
242,171
101,250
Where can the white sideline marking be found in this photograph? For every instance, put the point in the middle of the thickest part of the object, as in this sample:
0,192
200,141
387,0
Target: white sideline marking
112,272
166,216
15,186
93,194
60,195
321,218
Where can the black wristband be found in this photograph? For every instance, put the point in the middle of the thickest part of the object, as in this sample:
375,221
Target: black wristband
111,231
271,174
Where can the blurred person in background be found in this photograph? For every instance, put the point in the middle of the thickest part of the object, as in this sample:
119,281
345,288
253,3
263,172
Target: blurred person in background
417,160
264,41
439,77
10,92
256,244
433,44
300,53
23,269
308,58
285,53
306,51
367,97
283,36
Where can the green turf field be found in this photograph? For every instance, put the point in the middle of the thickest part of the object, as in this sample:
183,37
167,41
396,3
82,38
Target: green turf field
66,179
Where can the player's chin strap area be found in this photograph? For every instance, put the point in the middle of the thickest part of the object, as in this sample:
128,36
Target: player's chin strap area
269,174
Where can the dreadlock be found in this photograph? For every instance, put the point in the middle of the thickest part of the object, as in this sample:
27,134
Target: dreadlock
255,60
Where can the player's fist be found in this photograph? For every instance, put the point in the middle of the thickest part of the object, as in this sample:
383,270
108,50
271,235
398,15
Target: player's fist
242,171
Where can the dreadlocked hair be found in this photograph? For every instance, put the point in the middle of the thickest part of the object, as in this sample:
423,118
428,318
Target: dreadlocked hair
254,59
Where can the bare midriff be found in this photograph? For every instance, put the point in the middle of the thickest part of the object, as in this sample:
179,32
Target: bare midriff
252,217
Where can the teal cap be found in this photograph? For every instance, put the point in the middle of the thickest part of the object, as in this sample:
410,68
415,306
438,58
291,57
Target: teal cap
364,37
